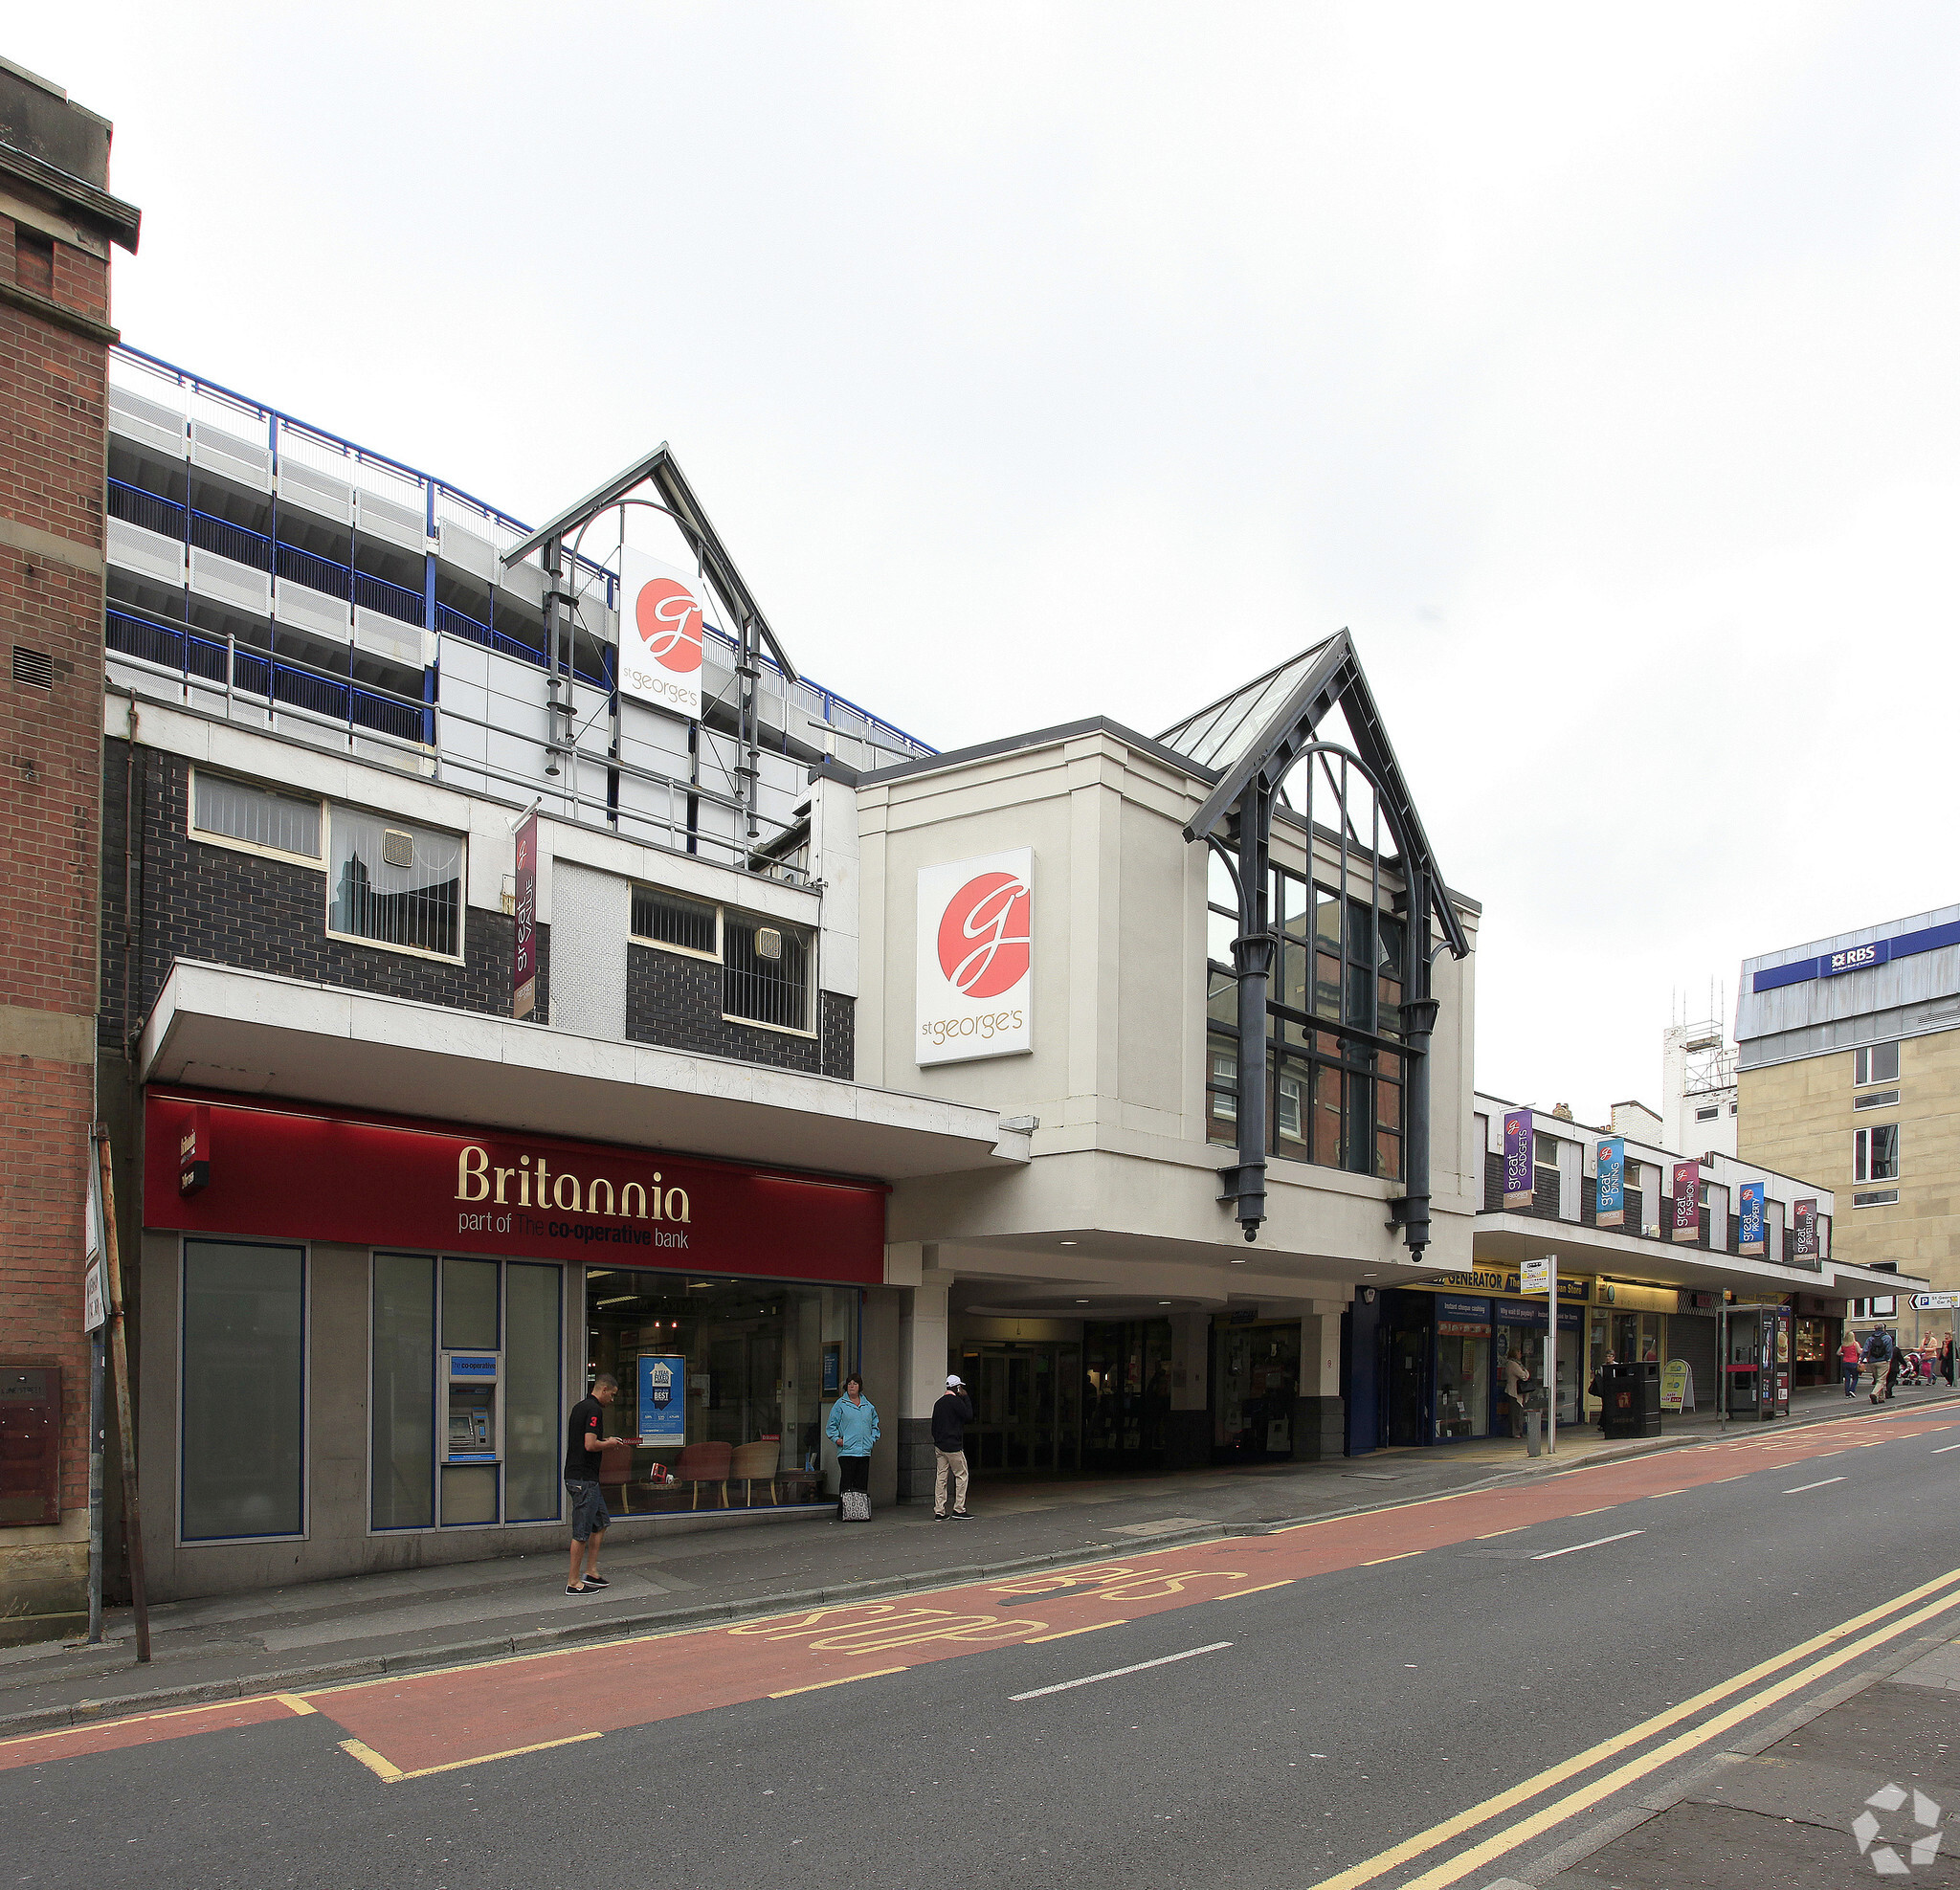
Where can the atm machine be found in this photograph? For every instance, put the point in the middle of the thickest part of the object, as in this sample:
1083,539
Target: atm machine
473,1437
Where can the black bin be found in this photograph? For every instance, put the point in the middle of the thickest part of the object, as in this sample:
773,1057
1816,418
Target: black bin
1630,1394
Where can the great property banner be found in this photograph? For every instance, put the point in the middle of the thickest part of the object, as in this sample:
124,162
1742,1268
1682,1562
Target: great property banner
1610,1190
1518,1159
1749,1220
976,957
660,615
1687,1200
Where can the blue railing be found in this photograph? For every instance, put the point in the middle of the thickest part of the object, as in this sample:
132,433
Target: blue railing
148,509
392,600
256,674
315,573
229,540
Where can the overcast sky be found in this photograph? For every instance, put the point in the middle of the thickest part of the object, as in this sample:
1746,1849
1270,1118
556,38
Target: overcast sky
1595,368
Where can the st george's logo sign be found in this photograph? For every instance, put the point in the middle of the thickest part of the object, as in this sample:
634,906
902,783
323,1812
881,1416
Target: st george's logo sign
660,619
976,957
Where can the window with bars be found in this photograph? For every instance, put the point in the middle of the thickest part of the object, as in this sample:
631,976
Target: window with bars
395,884
247,815
1334,1015
666,918
765,971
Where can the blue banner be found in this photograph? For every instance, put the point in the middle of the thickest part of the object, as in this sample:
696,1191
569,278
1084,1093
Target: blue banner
1518,1165
1609,1194
1528,1312
662,1399
1750,1219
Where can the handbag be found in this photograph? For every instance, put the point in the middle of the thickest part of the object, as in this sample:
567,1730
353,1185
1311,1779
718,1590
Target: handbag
856,1506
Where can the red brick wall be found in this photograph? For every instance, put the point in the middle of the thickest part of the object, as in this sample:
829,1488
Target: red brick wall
52,385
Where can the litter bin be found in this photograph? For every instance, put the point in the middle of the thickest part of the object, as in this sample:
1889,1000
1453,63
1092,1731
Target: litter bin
1630,1399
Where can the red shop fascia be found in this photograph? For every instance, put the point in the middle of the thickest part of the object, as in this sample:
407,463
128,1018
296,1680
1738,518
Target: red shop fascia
291,1170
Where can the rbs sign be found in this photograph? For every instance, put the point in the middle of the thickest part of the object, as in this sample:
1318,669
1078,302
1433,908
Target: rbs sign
976,947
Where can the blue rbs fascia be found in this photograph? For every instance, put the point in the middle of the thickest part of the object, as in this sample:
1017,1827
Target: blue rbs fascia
1857,958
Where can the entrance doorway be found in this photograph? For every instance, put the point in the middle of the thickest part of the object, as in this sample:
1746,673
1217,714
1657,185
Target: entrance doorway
1407,1341
1254,1381
1125,1393
1026,1406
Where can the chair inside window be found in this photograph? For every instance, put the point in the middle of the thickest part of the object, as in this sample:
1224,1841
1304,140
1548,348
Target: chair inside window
753,1463
704,1463
615,1474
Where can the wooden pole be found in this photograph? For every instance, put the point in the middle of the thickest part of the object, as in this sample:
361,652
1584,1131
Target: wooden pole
118,1354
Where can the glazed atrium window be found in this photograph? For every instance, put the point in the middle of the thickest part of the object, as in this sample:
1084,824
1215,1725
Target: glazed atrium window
1333,1026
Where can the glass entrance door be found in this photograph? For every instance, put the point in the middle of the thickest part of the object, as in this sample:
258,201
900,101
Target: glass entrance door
1406,1383
1125,1393
1026,1414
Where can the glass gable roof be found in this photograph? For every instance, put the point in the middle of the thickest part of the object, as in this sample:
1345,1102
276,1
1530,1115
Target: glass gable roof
1220,732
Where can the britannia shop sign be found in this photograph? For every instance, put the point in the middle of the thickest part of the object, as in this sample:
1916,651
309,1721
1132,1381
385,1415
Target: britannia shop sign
976,945
315,1173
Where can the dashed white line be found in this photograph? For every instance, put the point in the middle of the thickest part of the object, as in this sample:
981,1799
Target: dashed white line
1117,1673
1824,1486
1598,1542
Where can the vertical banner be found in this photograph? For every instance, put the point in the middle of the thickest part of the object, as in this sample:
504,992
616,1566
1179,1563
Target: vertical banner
1804,1219
1749,1221
660,616
1518,1159
1687,1200
524,963
95,1306
662,1399
975,957
1610,1189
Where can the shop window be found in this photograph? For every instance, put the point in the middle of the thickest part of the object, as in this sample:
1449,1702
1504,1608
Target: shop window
735,1363
1875,1153
395,884
682,925
446,1449
764,973
253,818
1875,1064
243,1391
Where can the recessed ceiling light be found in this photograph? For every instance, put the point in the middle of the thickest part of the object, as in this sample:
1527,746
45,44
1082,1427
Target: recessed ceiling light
1162,1303
1068,1243
1082,1302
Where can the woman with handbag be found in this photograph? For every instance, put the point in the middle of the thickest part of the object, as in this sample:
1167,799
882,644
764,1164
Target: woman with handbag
852,1427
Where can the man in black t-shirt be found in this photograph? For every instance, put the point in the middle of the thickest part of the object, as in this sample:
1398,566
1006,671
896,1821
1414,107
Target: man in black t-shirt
588,1517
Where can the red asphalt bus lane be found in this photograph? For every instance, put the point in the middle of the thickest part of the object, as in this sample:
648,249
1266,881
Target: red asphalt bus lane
407,1726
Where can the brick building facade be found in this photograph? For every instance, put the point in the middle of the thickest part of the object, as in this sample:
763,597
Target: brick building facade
57,224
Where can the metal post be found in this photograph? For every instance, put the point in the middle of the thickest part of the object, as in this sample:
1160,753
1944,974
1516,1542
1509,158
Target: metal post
1419,1014
126,1426
1551,1359
550,555
95,1452
1251,959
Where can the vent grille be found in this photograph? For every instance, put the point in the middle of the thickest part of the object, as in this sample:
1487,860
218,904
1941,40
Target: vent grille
1876,1197
398,849
1878,1099
33,669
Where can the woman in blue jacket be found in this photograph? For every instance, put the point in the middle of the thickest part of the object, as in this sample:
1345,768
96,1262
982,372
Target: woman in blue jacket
852,1427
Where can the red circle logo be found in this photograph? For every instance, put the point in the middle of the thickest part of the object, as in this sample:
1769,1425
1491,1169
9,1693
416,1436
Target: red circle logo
984,945
668,620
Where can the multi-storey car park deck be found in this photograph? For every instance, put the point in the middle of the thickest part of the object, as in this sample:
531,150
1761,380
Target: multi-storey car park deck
268,572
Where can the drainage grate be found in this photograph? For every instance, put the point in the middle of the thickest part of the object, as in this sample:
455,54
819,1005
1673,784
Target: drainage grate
32,668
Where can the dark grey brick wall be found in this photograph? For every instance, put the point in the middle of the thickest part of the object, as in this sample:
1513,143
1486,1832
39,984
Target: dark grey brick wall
207,903
676,1002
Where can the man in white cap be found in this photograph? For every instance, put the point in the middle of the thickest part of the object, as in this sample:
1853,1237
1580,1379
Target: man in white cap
950,1417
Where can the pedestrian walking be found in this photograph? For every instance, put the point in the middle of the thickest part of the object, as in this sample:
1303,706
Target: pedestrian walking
589,1519
1516,1374
1598,1388
1895,1367
1852,1361
1946,1359
852,1427
950,1417
1878,1357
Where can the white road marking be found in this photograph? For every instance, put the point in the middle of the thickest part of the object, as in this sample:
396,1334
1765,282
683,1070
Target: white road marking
1944,1447
1598,1542
1824,1486
1117,1673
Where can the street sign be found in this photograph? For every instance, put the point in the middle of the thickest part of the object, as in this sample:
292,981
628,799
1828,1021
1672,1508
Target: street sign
1535,1276
1932,1302
95,1309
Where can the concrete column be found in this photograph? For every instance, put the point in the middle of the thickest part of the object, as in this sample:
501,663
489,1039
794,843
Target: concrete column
922,1369
1318,1419
1188,1442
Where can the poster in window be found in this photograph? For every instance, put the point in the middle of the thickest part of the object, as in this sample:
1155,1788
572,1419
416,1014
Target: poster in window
1518,1159
1610,1189
832,1368
1749,1220
662,1399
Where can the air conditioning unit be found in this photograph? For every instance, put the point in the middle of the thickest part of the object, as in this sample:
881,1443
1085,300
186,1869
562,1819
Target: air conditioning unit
769,941
397,848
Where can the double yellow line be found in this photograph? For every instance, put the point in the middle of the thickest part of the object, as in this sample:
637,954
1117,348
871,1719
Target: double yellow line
1845,1643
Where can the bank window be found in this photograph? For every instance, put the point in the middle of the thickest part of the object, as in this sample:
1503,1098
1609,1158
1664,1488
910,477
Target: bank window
466,1401
1875,1064
765,971
1875,1153
254,819
725,1383
681,925
243,1409
393,884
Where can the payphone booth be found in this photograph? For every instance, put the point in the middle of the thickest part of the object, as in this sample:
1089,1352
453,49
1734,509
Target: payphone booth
1757,1369
473,1437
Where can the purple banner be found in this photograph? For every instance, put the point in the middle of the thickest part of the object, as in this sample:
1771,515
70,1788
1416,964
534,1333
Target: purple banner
1804,1219
1518,1159
523,964
1687,1200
